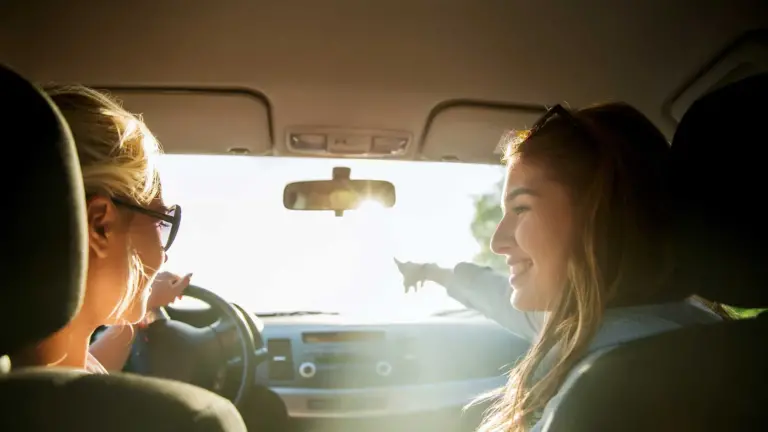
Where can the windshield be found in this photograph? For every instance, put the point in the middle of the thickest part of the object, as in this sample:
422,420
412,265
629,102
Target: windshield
241,243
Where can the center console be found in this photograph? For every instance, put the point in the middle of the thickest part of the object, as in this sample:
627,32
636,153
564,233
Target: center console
331,368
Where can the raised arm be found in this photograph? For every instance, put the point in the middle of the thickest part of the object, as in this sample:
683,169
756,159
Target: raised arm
478,288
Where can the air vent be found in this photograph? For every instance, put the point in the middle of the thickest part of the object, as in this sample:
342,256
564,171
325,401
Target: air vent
281,359
347,142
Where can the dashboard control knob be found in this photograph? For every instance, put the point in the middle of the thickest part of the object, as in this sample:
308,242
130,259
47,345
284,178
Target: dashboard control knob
383,368
307,370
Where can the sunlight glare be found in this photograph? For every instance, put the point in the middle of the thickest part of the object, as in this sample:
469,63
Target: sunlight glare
371,205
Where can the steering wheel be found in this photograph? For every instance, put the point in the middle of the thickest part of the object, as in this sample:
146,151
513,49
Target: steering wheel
201,356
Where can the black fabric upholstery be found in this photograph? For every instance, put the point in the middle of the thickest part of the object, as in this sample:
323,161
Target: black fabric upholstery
704,378
720,186
49,399
709,377
43,202
43,281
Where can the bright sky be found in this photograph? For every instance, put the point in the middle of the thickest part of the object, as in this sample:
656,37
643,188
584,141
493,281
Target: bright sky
240,242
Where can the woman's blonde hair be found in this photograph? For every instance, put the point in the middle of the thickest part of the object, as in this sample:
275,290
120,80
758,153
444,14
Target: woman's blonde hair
613,161
117,155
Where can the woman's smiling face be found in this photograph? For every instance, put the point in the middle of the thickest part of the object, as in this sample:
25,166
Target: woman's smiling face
535,234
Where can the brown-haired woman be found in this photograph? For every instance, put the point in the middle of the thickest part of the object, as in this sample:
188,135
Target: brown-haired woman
584,234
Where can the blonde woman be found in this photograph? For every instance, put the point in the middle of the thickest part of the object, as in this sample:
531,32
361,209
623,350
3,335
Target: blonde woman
583,231
130,229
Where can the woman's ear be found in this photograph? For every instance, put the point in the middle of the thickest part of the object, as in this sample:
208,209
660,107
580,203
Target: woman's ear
102,218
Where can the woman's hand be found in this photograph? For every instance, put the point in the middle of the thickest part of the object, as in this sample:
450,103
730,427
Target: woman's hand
414,274
166,288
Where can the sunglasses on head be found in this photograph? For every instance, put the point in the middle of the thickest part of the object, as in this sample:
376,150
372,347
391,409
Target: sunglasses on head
556,111
170,220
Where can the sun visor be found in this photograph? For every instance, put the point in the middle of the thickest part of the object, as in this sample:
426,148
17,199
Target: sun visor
202,121
745,57
470,132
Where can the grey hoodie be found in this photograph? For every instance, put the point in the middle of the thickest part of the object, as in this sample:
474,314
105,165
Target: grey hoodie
489,293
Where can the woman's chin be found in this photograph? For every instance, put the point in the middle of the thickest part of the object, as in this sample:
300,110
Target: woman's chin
523,301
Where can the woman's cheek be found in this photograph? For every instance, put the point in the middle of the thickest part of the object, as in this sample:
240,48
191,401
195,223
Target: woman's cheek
526,233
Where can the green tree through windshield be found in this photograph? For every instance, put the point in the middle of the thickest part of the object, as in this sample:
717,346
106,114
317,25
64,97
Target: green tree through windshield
487,216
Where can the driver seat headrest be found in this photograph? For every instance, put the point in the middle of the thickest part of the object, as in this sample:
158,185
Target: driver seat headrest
45,237
719,182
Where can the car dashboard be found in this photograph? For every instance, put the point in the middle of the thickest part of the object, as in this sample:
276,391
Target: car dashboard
344,373
332,366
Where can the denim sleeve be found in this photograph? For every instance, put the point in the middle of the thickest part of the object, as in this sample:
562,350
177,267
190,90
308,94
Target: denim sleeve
488,292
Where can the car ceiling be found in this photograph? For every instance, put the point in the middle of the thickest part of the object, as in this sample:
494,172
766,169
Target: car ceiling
381,64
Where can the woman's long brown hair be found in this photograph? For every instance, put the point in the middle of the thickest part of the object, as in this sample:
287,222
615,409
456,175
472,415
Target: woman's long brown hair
615,168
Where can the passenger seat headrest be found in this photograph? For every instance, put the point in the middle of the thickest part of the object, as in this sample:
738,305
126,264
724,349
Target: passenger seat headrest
720,187
44,238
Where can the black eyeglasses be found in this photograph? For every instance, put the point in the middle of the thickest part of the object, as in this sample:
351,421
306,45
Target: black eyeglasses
171,220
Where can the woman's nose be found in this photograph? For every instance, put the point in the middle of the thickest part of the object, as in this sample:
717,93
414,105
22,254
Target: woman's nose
503,239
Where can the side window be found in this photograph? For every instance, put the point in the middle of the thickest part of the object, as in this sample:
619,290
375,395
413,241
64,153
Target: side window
739,313
729,312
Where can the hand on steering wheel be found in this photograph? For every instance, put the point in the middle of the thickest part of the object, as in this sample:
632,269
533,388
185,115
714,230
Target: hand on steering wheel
176,350
166,288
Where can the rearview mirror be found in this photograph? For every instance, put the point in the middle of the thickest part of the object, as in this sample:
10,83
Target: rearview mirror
338,194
